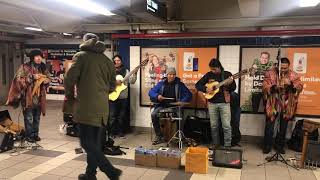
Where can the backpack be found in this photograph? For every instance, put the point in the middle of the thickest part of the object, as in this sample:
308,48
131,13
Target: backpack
296,141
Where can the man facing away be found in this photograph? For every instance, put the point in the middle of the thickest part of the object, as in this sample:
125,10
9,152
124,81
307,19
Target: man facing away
219,105
93,74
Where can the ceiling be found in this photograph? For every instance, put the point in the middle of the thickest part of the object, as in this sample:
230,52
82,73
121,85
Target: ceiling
54,16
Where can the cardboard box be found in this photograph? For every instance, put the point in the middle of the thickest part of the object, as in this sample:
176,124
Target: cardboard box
145,160
168,162
197,160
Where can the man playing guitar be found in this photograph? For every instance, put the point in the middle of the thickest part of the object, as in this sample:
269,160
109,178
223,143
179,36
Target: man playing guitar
219,104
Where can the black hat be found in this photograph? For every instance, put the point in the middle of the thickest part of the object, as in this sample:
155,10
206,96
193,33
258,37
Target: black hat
35,52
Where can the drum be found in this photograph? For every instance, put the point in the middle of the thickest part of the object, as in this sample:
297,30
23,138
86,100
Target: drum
168,126
168,113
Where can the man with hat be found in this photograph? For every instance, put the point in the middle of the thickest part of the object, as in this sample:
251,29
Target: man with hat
29,88
93,74
167,91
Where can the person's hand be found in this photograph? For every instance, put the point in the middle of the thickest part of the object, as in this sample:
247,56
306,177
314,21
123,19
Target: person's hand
273,89
46,81
254,66
286,81
118,82
229,80
210,90
160,98
36,76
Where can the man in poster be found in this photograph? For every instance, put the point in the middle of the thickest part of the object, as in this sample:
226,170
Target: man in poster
261,65
281,97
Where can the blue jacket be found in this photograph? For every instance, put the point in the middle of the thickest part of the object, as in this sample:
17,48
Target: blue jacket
182,92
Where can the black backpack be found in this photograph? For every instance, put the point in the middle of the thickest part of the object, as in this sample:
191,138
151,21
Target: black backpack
296,141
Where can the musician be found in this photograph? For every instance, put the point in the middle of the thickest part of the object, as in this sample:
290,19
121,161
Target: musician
167,91
29,88
281,96
118,108
219,105
260,65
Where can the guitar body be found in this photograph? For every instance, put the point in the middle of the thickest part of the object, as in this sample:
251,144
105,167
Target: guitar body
119,88
213,93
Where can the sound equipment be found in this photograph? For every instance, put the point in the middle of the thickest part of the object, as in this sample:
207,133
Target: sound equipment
198,129
225,157
119,88
313,151
216,85
168,127
6,141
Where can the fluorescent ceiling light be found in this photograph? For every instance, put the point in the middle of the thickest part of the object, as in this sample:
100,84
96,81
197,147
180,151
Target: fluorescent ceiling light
33,29
309,3
67,34
88,6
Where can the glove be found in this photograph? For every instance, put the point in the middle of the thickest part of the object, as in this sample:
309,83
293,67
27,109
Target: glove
273,89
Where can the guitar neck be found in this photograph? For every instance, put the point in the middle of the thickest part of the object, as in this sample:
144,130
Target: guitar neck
235,76
130,73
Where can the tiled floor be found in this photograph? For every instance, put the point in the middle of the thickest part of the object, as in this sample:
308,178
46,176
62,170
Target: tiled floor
57,159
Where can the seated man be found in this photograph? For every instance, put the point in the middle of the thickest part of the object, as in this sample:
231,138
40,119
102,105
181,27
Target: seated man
167,91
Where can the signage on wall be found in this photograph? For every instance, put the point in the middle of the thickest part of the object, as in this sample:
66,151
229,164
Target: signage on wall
156,8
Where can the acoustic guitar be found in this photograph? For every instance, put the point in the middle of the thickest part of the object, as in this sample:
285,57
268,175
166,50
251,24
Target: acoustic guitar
121,87
217,84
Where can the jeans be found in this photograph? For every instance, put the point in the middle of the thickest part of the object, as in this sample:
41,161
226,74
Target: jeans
32,121
281,134
118,110
255,101
156,120
90,140
223,111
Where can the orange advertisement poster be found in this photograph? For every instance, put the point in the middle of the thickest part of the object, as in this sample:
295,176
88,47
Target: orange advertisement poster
193,63
306,62
190,63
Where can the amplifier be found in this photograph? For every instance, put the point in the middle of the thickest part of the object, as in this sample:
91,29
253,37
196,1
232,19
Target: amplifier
226,157
313,151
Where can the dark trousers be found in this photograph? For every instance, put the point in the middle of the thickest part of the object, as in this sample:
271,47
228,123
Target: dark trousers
90,139
281,134
156,120
255,101
118,111
32,121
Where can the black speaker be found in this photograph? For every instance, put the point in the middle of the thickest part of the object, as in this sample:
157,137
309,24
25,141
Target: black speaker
6,141
313,151
226,157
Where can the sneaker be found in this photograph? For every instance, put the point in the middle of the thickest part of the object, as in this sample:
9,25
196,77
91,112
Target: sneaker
30,140
87,177
121,136
37,138
158,140
117,176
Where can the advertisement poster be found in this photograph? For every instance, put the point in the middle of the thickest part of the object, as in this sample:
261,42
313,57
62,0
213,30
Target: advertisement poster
306,62
57,62
191,64
262,59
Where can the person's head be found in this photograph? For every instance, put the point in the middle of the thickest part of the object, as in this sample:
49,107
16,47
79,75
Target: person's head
285,63
171,74
89,36
215,66
36,56
155,60
264,57
117,59
61,67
